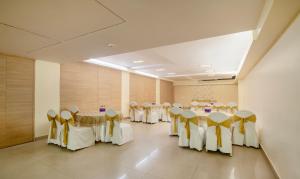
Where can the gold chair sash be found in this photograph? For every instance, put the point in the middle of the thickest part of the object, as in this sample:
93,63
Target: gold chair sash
251,118
232,108
74,114
66,124
226,123
53,125
174,118
186,121
111,120
147,110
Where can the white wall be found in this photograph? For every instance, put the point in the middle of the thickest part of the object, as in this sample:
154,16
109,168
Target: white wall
125,93
157,91
47,85
272,91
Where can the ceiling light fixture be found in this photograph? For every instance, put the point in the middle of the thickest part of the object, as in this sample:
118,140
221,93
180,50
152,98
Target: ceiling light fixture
160,69
138,61
106,64
111,45
145,74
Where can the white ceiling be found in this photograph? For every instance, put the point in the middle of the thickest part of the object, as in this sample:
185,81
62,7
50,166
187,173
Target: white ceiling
68,30
214,57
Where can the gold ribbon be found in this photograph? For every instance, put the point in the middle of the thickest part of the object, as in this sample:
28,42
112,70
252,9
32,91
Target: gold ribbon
74,114
232,108
251,118
53,125
174,118
133,108
147,110
111,121
186,122
226,123
66,123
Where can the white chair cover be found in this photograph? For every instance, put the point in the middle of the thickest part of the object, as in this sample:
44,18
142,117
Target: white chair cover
218,107
197,134
57,140
74,109
122,132
251,135
178,105
194,106
211,137
165,112
100,130
174,122
153,115
136,114
78,137
232,107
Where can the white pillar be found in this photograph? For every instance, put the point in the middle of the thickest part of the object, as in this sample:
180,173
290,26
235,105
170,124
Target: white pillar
125,93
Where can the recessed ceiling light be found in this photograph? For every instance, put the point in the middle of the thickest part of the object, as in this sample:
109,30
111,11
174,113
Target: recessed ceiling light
160,69
138,61
171,73
111,45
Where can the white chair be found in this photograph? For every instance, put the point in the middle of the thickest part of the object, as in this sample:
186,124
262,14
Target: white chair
165,112
76,137
219,124
232,107
74,110
122,132
248,134
54,135
100,130
195,106
219,107
174,117
157,109
196,135
150,114
136,114
178,105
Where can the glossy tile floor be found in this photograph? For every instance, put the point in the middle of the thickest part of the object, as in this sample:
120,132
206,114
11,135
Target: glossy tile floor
152,155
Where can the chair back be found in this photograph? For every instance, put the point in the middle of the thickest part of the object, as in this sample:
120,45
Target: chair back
232,104
133,103
66,115
74,109
194,104
178,105
111,113
218,117
188,114
51,113
244,113
147,104
175,110
218,104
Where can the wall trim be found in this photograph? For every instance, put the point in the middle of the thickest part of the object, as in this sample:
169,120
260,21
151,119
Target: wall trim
270,162
40,138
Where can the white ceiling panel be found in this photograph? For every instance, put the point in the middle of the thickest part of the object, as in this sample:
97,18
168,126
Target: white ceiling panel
57,19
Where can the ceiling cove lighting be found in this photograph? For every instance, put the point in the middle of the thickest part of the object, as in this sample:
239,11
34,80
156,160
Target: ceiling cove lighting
145,74
138,61
106,64
171,73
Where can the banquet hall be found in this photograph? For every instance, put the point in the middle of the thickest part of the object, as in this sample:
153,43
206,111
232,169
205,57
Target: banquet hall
140,89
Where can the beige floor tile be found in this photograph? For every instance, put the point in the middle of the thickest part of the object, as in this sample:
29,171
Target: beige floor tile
152,155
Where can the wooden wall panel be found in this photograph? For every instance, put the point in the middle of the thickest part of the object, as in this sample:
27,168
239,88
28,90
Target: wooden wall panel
109,88
142,89
78,86
19,101
166,91
89,86
2,98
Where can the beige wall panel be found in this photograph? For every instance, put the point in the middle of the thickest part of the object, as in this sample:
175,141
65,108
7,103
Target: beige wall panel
221,93
142,89
79,86
109,88
19,101
166,91
2,97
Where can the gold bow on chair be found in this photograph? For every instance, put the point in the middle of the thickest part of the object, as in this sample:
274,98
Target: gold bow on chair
251,118
232,108
226,123
187,121
53,125
74,114
174,118
147,110
111,120
66,123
